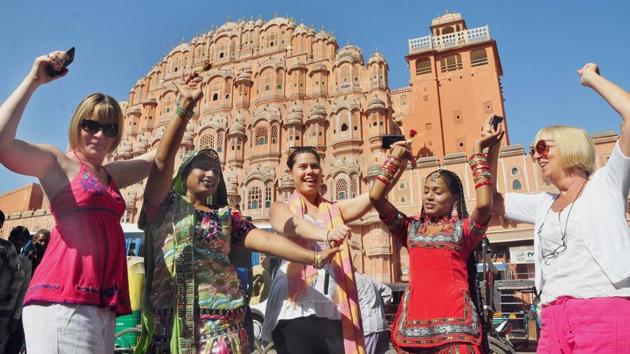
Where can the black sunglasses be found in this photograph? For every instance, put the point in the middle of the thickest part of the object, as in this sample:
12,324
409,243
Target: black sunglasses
93,127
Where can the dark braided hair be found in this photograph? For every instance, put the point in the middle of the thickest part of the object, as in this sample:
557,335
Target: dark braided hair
454,185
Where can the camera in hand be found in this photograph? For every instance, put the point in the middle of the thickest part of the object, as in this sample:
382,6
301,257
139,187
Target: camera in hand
496,120
69,57
388,140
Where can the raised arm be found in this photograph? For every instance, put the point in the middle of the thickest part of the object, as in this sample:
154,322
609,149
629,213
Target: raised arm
159,181
392,169
485,175
284,222
617,98
17,155
132,171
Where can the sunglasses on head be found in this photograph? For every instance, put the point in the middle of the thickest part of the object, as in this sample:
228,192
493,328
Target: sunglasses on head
541,147
298,149
93,127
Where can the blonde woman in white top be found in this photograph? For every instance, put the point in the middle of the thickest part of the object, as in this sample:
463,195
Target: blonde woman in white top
581,237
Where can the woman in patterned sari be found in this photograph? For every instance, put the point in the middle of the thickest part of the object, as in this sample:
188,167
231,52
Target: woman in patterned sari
192,301
438,312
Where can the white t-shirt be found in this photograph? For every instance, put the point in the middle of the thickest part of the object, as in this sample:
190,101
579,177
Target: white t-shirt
596,262
316,300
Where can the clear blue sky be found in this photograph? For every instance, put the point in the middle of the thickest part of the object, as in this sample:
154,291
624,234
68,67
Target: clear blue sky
541,44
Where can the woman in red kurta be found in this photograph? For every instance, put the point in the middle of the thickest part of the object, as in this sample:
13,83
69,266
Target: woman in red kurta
438,313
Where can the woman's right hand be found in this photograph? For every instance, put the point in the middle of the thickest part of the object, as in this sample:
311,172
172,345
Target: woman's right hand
328,254
190,92
39,70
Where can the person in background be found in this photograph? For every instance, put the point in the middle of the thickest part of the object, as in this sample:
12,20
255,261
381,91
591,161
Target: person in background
40,243
18,237
374,296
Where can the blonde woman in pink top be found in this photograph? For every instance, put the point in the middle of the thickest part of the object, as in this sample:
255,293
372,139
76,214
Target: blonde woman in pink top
81,283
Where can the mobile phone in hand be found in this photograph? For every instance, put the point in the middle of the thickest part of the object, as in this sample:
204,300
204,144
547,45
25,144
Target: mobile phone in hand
69,57
388,140
496,120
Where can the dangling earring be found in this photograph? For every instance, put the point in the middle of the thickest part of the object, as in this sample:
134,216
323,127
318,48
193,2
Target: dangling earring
454,212
210,200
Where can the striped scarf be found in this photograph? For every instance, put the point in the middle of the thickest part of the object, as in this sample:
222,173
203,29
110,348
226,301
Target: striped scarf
300,276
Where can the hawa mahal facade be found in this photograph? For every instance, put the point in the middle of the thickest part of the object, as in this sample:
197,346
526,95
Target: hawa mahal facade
274,85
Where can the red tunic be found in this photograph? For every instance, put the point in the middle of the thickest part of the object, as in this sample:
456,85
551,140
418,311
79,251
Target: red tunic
85,262
436,308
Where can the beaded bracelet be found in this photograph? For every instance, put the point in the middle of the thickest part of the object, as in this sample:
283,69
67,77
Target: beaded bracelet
184,114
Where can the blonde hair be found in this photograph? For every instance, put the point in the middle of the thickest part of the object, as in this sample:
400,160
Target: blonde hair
575,147
101,108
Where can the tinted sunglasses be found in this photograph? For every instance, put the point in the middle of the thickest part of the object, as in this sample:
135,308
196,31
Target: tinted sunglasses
541,147
93,127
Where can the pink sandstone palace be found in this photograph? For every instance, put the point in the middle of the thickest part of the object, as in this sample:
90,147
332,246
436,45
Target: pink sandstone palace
278,84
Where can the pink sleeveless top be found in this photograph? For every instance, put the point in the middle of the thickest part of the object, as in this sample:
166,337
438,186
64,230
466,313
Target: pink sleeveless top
85,262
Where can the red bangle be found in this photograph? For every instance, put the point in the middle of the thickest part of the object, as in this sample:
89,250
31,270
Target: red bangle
383,179
487,182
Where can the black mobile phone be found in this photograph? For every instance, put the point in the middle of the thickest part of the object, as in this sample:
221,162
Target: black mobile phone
496,120
69,58
388,140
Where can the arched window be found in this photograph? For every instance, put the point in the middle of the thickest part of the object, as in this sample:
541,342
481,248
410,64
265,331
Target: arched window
215,96
341,188
344,127
268,191
516,185
261,136
451,63
423,66
253,198
478,57
515,171
206,141
274,134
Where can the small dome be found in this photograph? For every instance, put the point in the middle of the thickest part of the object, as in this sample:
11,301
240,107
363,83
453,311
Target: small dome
138,148
446,18
295,116
237,126
124,149
286,181
351,52
300,29
377,57
182,47
376,103
244,76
